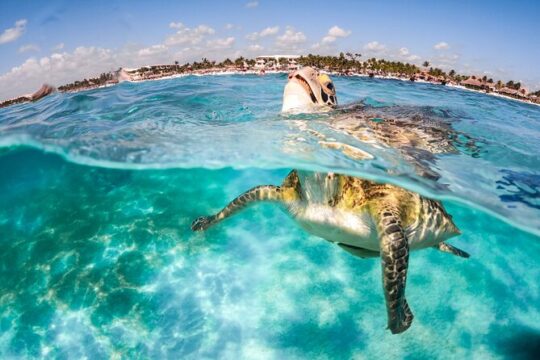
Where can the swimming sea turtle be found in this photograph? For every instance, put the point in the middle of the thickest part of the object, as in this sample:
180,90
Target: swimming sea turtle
363,217
419,134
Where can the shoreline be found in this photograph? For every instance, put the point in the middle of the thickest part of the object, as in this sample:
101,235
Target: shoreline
459,87
257,72
331,73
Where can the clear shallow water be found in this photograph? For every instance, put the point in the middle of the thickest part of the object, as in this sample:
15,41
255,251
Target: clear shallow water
98,259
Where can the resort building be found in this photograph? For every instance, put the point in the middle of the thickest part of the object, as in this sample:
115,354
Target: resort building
479,83
473,82
520,93
277,62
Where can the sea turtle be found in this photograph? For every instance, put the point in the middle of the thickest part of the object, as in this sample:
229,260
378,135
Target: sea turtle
365,218
419,134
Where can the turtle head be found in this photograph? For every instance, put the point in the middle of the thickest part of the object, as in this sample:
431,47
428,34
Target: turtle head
308,91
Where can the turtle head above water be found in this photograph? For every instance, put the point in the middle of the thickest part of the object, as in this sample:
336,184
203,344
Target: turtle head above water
308,91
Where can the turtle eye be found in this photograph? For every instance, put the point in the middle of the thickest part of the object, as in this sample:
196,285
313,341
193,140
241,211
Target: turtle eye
330,86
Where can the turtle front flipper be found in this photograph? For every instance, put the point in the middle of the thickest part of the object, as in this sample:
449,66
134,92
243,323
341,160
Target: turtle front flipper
395,260
259,193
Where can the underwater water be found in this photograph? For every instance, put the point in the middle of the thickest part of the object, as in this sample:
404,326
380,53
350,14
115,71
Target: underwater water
98,190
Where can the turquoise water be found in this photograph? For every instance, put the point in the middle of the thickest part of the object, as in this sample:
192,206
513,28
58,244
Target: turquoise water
98,190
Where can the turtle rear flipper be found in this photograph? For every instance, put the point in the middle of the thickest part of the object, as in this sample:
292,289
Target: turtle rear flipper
444,247
395,260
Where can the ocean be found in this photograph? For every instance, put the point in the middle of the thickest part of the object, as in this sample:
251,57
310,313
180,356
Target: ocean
98,190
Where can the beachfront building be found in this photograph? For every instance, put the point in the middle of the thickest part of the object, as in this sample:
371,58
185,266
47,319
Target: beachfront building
520,93
479,83
148,72
473,83
275,62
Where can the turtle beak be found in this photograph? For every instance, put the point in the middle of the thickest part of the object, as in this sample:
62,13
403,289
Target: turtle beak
298,95
298,78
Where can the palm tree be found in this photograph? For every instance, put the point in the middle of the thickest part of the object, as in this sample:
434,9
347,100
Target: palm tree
239,61
425,64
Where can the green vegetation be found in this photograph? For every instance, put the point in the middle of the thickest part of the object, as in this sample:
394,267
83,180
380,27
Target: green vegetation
351,63
103,79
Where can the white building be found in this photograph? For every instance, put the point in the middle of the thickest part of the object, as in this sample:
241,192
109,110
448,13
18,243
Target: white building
275,61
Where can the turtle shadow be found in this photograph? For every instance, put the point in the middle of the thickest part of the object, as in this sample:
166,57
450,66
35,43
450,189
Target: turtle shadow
523,344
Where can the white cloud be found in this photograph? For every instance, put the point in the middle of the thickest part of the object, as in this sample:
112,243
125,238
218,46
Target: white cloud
12,34
176,25
185,35
394,54
441,46
221,43
328,39
58,47
153,50
336,31
58,68
401,54
255,47
405,55
445,61
28,47
333,33
61,68
375,46
252,4
403,51
290,39
269,31
229,26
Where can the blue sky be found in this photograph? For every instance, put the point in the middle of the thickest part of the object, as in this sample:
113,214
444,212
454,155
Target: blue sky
59,41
